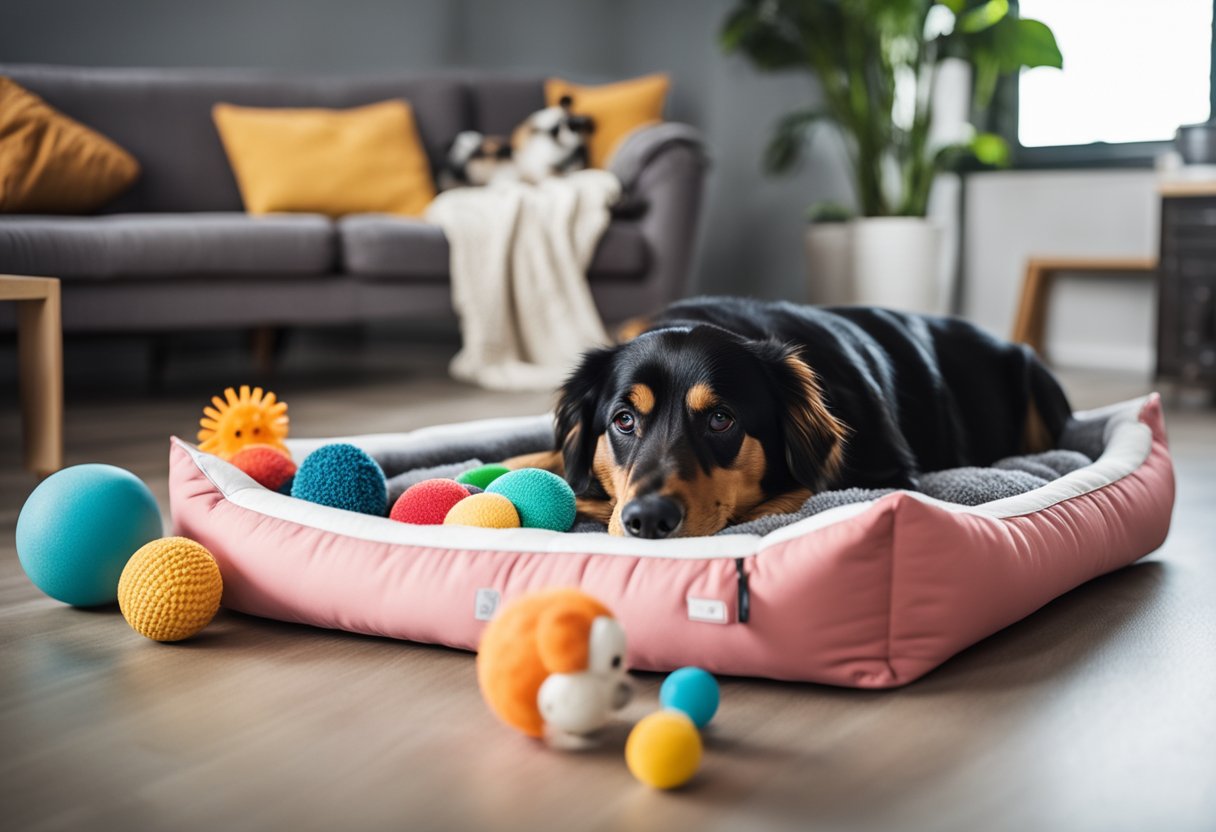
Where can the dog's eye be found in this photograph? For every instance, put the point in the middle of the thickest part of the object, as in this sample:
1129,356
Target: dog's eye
624,421
720,420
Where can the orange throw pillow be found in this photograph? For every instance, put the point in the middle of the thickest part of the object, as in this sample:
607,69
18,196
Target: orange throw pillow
52,164
363,160
618,109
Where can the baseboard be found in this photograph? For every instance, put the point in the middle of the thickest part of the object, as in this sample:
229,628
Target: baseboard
1129,358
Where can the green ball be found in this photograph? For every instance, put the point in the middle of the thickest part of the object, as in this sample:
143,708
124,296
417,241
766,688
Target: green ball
482,476
79,528
542,498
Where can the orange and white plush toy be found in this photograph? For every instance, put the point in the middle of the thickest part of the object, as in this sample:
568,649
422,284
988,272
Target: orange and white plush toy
554,658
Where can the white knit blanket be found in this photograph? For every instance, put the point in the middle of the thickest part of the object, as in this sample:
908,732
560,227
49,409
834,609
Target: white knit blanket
519,276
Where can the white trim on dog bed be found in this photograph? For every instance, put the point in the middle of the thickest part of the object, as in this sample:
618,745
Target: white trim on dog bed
1128,444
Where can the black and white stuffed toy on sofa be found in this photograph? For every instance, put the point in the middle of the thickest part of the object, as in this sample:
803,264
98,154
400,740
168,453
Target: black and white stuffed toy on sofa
550,142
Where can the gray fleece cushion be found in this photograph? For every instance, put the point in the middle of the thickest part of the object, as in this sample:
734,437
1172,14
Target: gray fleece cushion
1081,443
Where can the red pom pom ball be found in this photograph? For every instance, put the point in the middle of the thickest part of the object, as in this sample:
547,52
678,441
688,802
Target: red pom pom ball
426,503
269,467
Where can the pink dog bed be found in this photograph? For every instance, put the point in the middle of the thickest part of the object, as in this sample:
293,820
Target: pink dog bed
872,594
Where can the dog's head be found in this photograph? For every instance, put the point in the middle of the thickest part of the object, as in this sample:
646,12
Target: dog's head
561,124
685,430
552,141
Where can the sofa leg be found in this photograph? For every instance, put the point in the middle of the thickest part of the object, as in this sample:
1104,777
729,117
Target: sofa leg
266,345
158,361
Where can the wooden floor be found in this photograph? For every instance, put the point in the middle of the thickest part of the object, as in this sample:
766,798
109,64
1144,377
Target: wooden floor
1096,713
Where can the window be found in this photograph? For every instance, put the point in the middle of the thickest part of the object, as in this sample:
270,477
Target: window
1134,70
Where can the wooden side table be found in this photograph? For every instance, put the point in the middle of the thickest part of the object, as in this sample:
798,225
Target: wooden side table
1031,324
40,364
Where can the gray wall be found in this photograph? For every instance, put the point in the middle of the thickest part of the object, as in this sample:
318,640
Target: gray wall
1096,321
291,34
751,237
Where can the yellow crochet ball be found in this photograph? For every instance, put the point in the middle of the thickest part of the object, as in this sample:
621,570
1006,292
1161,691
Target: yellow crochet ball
170,589
664,750
490,511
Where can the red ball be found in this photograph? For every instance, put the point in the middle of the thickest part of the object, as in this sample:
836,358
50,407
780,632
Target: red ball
426,503
269,467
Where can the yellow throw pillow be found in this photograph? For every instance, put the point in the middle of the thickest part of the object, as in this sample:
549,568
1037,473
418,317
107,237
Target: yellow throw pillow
618,109
52,164
363,160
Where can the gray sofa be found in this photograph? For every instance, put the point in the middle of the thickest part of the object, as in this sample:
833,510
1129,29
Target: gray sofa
177,251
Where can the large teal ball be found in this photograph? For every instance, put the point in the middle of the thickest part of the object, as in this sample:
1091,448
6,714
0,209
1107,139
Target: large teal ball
693,691
543,499
342,476
79,528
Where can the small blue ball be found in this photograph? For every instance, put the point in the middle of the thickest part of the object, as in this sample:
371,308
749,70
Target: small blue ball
342,476
79,528
542,498
693,691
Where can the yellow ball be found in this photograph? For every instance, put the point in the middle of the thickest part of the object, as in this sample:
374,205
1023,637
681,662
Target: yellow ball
664,750
170,589
490,511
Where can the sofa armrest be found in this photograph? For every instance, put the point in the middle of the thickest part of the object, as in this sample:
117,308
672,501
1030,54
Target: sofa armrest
642,147
662,172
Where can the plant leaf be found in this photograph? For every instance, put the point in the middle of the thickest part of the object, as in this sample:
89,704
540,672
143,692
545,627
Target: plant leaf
983,17
986,148
825,212
955,6
785,148
990,149
762,39
1025,42
987,70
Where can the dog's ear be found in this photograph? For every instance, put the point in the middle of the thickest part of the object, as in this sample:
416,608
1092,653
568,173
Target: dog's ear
577,418
814,438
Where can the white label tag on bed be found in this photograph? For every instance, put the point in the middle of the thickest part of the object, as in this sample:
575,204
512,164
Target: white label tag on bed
486,604
710,610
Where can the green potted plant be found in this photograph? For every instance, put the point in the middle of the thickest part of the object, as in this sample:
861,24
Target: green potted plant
888,72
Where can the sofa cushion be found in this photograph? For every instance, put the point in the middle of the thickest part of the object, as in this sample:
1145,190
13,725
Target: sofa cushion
52,163
161,245
388,246
378,245
618,109
326,161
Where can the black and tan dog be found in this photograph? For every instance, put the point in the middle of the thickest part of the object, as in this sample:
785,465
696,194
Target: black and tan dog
724,409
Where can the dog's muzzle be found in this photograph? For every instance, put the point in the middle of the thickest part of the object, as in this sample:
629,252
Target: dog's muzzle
653,516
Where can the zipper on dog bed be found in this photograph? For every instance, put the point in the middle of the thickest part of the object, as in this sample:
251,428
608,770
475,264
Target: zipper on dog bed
744,598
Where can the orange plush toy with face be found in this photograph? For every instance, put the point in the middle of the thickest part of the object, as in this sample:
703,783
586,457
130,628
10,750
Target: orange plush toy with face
555,658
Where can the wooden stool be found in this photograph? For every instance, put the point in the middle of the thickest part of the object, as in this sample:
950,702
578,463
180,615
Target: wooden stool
40,363
1031,323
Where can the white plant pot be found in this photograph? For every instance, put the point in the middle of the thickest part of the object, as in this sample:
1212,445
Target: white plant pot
828,248
896,262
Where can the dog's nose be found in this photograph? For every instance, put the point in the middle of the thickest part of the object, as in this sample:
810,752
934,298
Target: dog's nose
652,516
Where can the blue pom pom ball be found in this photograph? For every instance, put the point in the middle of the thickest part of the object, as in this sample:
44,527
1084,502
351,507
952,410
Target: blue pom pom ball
342,476
542,498
79,528
692,691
